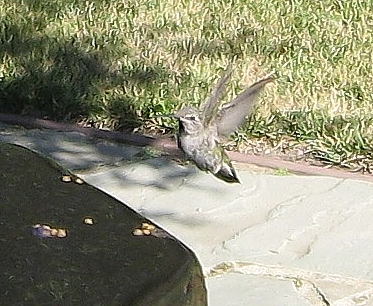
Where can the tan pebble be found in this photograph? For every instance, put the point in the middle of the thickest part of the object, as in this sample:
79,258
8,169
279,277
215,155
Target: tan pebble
88,221
146,232
54,232
61,233
79,181
66,178
46,227
137,232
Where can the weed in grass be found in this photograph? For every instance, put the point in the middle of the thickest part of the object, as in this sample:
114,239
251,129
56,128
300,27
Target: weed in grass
282,172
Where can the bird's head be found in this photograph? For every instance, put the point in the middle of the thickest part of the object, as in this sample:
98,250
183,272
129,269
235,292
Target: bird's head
189,120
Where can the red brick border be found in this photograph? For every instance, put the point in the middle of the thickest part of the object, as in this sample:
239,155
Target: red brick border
169,146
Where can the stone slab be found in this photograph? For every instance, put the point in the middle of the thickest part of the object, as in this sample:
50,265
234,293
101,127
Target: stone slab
304,240
64,242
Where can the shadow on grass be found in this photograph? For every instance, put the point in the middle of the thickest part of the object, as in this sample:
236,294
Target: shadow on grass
55,78
54,84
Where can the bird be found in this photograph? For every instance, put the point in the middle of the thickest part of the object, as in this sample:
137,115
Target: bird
201,130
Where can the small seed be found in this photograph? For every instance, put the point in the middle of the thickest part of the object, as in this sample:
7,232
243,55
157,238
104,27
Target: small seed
146,232
147,226
88,221
66,178
79,181
46,227
61,233
137,232
151,227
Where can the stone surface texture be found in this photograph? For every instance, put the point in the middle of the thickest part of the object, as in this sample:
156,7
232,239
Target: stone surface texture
272,240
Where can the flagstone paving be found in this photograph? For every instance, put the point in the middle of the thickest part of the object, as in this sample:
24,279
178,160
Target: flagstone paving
272,240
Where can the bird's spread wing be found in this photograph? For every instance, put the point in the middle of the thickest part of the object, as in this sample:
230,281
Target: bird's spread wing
210,107
233,114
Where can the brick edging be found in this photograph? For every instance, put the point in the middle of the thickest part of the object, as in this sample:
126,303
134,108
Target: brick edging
169,146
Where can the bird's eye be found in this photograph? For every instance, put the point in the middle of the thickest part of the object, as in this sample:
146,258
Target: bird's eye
193,118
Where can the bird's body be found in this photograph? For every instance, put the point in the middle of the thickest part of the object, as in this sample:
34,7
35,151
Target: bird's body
203,147
201,130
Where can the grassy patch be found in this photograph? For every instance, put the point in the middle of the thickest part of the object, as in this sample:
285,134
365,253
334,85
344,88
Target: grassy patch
118,63
282,172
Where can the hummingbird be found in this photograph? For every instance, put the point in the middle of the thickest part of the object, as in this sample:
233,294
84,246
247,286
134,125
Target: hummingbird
201,130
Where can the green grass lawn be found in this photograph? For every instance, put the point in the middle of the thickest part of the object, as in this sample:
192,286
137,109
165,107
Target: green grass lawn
118,63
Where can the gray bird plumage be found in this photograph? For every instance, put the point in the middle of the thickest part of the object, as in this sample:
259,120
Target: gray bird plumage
201,130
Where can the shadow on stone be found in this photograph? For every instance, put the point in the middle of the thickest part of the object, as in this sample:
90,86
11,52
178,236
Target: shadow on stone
95,264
